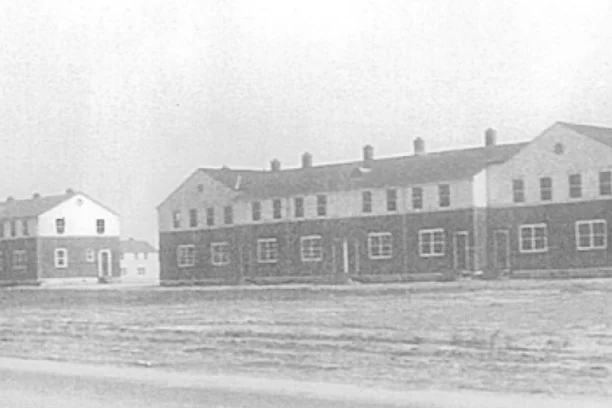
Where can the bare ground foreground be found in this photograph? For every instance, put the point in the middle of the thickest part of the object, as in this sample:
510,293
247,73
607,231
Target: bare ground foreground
552,337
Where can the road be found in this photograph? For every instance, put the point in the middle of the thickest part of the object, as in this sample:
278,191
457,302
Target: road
37,384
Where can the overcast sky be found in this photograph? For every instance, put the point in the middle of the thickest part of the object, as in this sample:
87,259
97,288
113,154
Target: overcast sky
125,100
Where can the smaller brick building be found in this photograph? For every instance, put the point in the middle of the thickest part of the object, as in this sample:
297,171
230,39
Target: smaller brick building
139,262
68,238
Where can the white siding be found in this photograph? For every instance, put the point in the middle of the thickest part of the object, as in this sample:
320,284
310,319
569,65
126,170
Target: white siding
130,264
80,214
479,189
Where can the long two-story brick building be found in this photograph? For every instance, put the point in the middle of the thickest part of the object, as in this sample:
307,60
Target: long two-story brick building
542,205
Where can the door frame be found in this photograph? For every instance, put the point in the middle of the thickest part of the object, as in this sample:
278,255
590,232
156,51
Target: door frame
456,249
110,263
506,233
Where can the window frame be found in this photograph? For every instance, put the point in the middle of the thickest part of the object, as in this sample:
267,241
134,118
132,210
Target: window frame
321,205
381,246
189,256
23,257
228,215
417,195
431,242
277,209
57,258
92,258
518,190
215,260
301,207
210,216
590,223
572,186
193,218
13,226
267,259
25,228
444,195
100,222
392,199
605,186
366,202
256,210
533,238
308,253
546,189
176,219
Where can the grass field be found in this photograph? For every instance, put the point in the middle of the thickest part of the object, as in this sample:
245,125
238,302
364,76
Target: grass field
537,337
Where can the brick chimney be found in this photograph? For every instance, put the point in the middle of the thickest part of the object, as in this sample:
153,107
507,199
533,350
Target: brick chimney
275,165
69,191
306,160
419,146
490,137
368,155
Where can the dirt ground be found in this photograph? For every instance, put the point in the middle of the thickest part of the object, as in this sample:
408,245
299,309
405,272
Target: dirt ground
551,337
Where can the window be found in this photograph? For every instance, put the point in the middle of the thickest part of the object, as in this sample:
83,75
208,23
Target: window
366,201
210,216
518,191
321,205
19,259
219,253
311,248
100,226
591,234
1,229
392,199
256,210
380,245
546,187
25,230
90,255
575,185
61,258
533,238
277,207
193,218
176,219
605,183
444,195
228,214
299,207
200,188
417,198
145,255
431,243
13,228
267,250
185,255
141,270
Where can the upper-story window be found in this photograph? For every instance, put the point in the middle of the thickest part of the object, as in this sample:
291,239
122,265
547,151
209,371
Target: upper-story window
60,225
321,205
1,229
575,185
176,219
193,218
256,210
277,208
366,201
299,207
391,199
13,228
546,189
444,195
210,216
200,188
100,226
228,214
25,230
605,183
417,198
518,190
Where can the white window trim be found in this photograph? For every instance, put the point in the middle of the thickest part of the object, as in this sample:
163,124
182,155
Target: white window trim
56,258
373,235
431,231
533,250
214,247
310,258
23,257
263,241
90,255
592,246
178,256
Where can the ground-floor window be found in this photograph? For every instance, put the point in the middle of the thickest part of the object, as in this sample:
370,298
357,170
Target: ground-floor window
267,250
19,259
185,255
431,242
533,238
60,258
219,253
141,270
90,255
591,234
311,248
380,245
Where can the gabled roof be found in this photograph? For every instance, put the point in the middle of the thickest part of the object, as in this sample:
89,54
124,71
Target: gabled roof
394,171
31,207
599,133
135,245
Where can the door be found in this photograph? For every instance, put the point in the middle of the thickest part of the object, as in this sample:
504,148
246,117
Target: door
502,250
105,268
460,241
345,255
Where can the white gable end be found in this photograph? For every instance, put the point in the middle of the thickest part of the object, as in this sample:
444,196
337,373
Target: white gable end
80,216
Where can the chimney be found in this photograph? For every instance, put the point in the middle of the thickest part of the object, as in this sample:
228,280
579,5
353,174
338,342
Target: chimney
306,160
419,146
490,137
368,155
275,165
35,196
69,191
